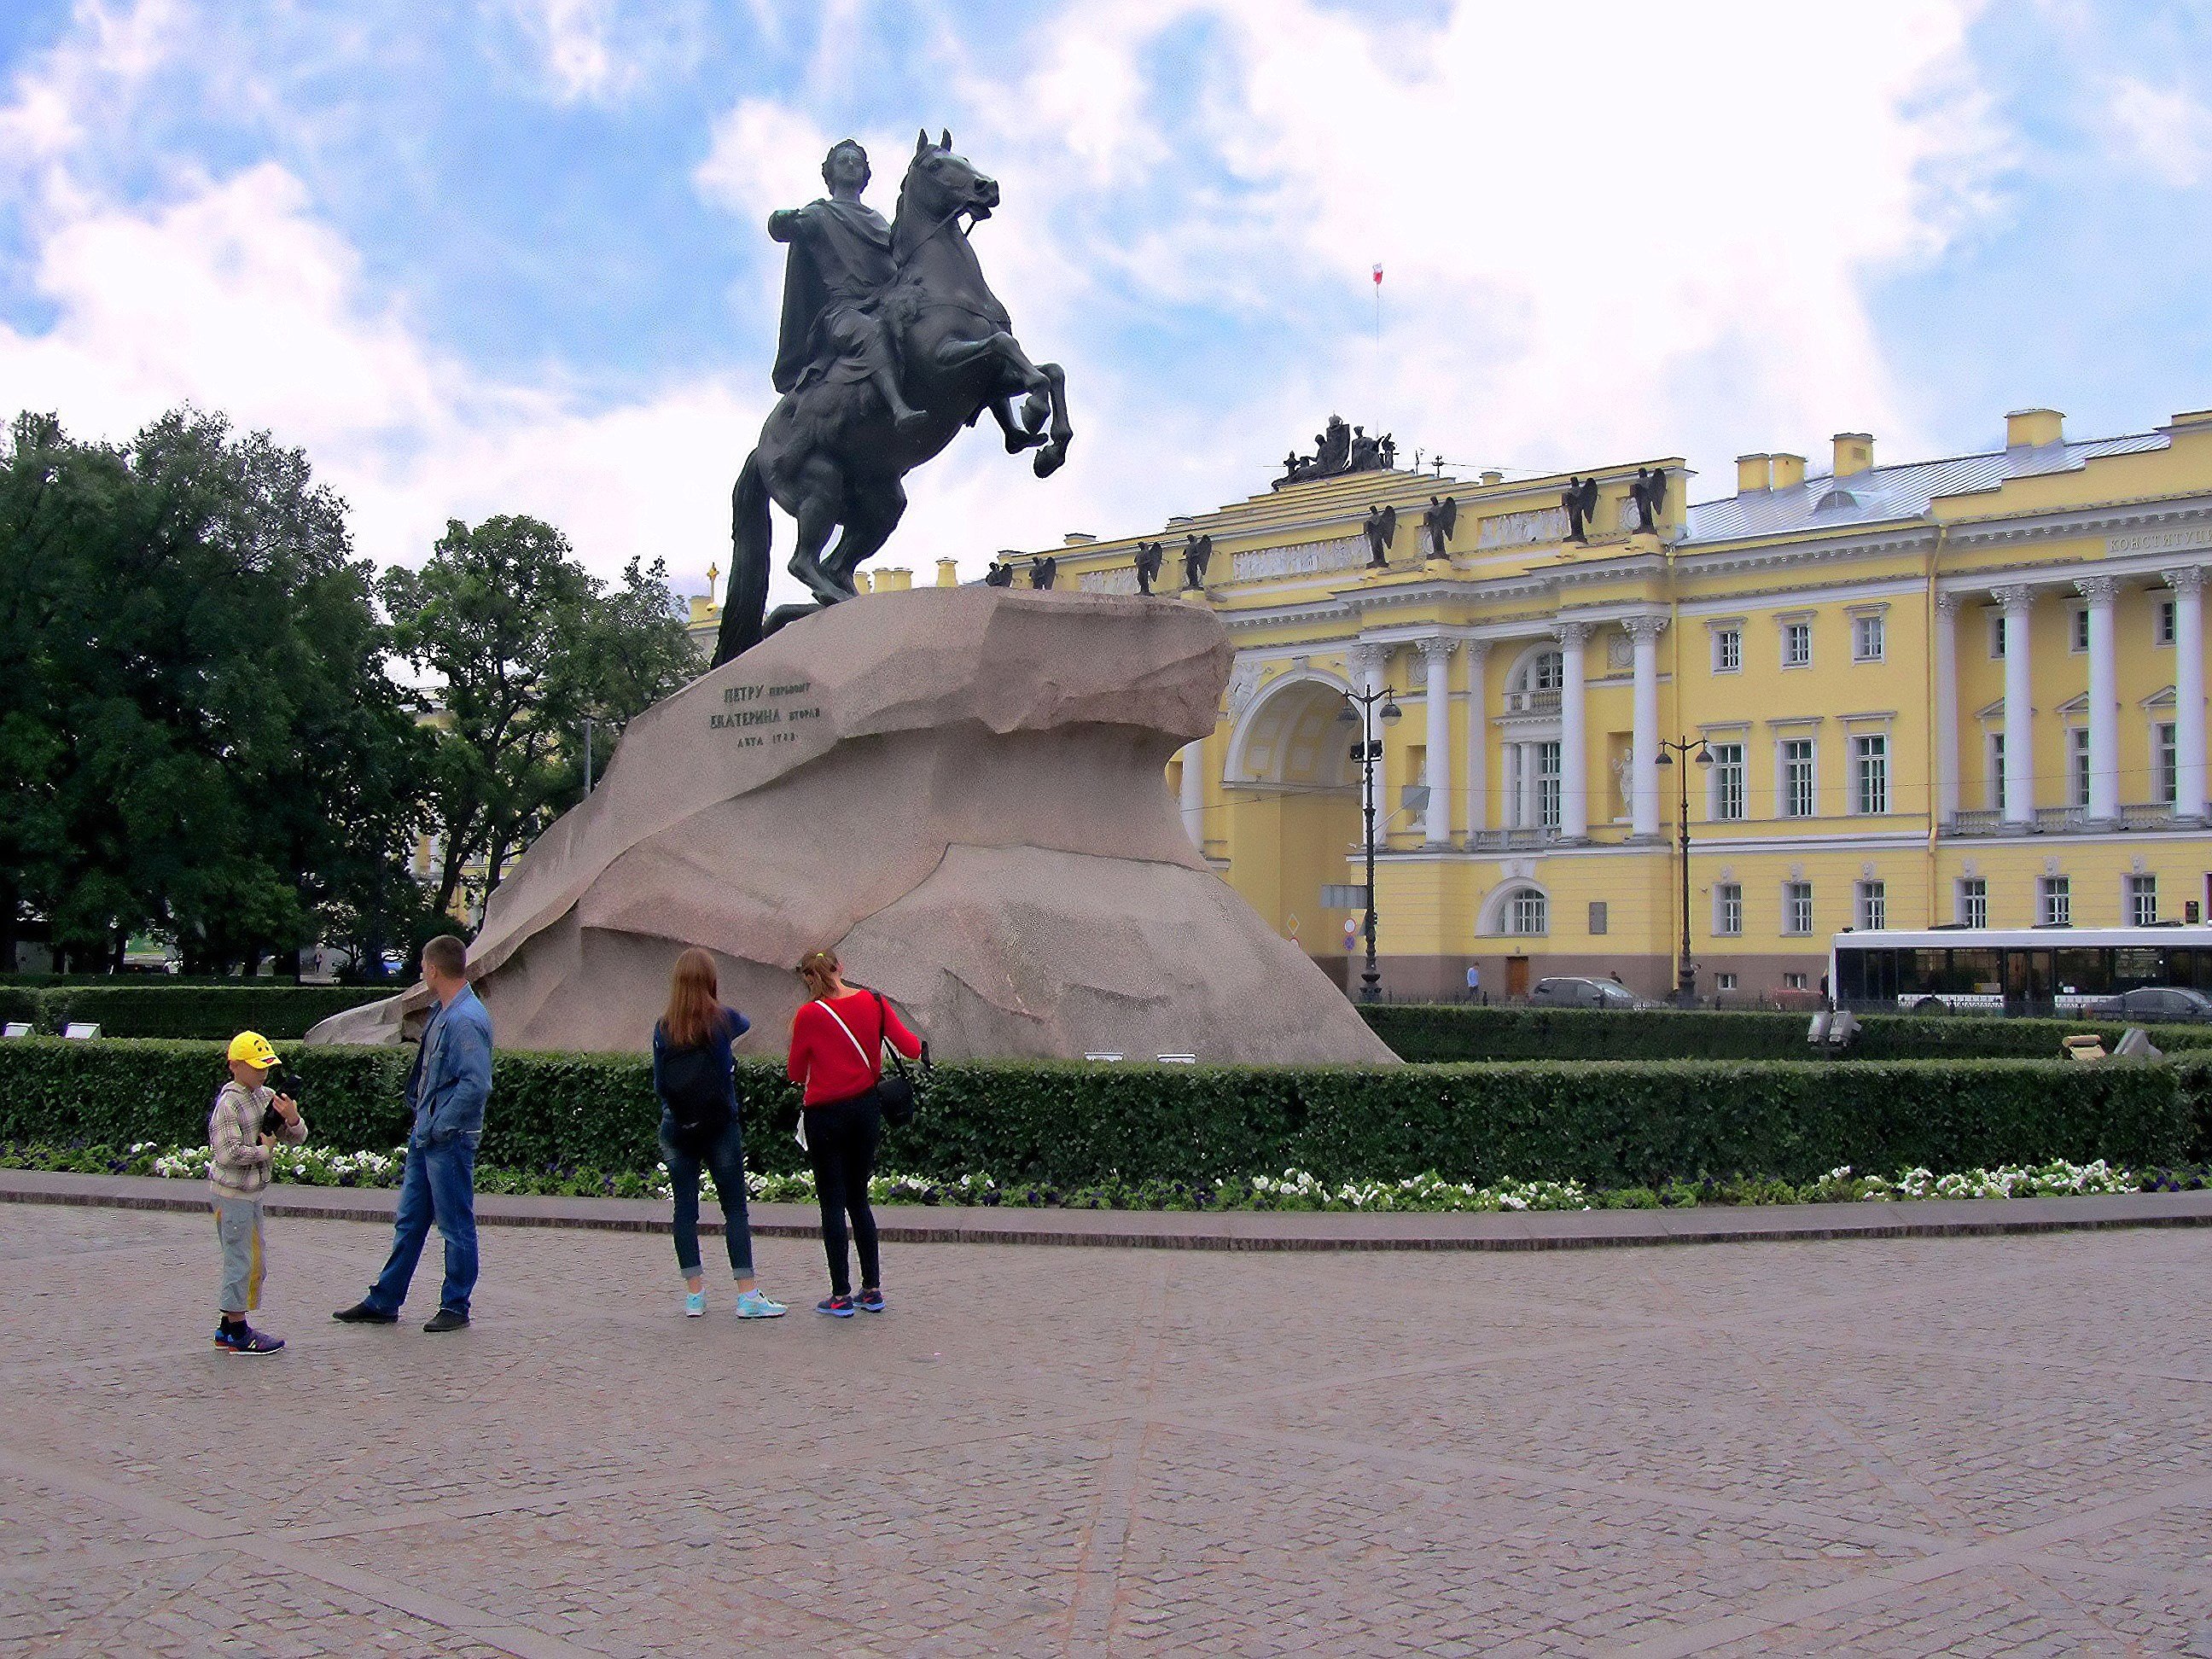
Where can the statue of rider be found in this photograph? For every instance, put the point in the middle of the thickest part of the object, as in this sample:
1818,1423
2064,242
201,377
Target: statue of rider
840,265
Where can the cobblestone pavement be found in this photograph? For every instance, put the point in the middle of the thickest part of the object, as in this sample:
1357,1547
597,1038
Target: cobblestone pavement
1909,1446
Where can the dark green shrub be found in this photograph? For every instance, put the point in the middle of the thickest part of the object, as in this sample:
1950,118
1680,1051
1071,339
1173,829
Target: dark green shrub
1445,1032
1615,1125
278,1009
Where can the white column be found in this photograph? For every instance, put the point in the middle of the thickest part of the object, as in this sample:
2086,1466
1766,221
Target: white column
1946,707
1531,808
2188,585
1643,754
2019,708
1436,654
1574,780
2104,700
1478,734
1194,792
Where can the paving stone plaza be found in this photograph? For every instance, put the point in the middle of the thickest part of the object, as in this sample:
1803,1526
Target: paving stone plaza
1909,1446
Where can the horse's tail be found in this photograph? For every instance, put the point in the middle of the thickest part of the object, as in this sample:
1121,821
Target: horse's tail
747,597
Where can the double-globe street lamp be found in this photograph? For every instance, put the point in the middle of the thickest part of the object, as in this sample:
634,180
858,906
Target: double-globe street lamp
1360,709
1686,975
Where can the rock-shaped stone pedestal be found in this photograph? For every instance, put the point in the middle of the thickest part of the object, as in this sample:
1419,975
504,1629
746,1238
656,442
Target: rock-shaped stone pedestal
961,790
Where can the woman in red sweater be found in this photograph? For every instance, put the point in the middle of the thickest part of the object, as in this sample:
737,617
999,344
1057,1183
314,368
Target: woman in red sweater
838,1053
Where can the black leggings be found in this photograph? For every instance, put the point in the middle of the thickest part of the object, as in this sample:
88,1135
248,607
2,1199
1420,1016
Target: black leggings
841,1145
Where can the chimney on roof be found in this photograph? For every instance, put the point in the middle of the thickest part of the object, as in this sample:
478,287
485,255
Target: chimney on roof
1854,453
1753,472
2031,429
1788,471
1493,476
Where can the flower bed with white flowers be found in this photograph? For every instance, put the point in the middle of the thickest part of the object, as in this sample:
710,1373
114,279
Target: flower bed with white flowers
1294,1189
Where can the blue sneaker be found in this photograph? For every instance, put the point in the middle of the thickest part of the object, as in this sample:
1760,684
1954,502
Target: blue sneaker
754,1304
837,1307
695,1304
869,1302
246,1339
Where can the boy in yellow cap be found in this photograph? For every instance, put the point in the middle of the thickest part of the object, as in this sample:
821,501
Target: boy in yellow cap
240,1135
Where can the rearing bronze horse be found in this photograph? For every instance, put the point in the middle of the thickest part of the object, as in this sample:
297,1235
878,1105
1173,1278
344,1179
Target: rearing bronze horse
831,454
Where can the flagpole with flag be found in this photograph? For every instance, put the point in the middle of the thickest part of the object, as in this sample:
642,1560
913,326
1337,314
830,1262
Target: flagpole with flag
1378,305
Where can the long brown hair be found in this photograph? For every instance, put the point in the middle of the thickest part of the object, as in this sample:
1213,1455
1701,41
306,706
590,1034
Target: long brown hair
694,1000
820,969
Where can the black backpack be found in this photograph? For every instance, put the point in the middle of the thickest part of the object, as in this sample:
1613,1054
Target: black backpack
696,1093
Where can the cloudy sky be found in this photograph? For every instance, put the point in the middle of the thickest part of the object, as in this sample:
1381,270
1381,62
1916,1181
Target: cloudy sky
509,257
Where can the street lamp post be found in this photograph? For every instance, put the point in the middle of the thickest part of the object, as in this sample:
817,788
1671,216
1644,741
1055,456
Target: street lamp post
1685,974
1359,708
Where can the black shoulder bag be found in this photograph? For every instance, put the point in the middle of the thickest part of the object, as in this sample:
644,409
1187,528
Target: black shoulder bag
895,1089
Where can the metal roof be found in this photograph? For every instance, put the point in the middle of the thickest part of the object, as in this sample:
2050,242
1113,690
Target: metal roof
1884,494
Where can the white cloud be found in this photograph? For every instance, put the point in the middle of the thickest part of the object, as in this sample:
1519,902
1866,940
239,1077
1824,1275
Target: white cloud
1584,220
1603,242
237,298
2162,129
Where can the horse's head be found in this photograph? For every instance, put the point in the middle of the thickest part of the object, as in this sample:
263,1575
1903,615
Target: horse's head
941,184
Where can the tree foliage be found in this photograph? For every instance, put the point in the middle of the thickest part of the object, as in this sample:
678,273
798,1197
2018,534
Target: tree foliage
524,645
197,735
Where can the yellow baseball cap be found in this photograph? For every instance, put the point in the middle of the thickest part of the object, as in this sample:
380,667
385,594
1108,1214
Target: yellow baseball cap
254,1049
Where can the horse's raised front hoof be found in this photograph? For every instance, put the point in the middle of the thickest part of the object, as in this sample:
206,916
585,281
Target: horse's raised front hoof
1049,459
1017,441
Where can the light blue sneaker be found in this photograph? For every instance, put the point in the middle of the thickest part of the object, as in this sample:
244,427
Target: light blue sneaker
695,1303
754,1304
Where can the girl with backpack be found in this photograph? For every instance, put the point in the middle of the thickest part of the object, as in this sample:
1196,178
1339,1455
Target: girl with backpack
694,1076
837,1052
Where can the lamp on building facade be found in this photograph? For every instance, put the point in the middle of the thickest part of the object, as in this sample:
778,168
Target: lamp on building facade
1686,975
1359,708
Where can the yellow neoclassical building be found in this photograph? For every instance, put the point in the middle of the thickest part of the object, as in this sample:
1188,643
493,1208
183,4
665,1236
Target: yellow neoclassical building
1968,690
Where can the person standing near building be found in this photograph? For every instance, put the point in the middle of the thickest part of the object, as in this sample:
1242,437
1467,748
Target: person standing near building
1474,981
249,1120
837,1055
694,1078
447,1092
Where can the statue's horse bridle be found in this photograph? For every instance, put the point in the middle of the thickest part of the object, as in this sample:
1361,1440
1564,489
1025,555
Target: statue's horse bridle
899,266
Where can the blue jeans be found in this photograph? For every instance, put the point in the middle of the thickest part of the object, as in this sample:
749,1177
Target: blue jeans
439,1183
725,1158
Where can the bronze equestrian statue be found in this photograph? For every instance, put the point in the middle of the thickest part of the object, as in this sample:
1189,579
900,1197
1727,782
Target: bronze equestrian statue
891,342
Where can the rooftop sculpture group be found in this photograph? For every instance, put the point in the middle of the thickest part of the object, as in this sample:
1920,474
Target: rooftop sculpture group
891,342
1339,450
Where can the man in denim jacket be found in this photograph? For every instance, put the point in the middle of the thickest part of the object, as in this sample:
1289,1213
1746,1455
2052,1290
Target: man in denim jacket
446,1091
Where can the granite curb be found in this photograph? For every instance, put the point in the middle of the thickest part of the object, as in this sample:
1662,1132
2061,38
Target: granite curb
1237,1230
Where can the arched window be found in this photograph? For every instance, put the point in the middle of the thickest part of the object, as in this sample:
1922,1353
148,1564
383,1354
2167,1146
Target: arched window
1533,685
1527,913
1540,672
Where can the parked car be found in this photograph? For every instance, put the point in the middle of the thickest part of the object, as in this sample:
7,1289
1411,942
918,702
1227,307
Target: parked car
2156,1004
1566,992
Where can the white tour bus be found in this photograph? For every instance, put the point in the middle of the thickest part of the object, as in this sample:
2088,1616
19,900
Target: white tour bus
2014,969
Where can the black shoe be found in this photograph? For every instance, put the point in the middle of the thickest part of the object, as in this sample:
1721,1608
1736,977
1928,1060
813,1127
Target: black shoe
447,1320
362,1314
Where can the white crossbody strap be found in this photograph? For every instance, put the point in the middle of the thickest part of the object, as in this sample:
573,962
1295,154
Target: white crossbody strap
875,1067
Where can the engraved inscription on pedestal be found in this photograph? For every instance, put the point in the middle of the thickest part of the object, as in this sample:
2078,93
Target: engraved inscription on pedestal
757,715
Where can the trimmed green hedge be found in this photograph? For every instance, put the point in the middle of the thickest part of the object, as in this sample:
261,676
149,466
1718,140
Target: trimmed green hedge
278,1009
1604,1124
1461,1031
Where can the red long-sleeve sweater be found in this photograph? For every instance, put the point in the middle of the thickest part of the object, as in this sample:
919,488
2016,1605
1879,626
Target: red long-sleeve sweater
827,1061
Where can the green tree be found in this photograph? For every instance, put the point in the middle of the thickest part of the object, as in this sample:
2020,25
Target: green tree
205,743
523,644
